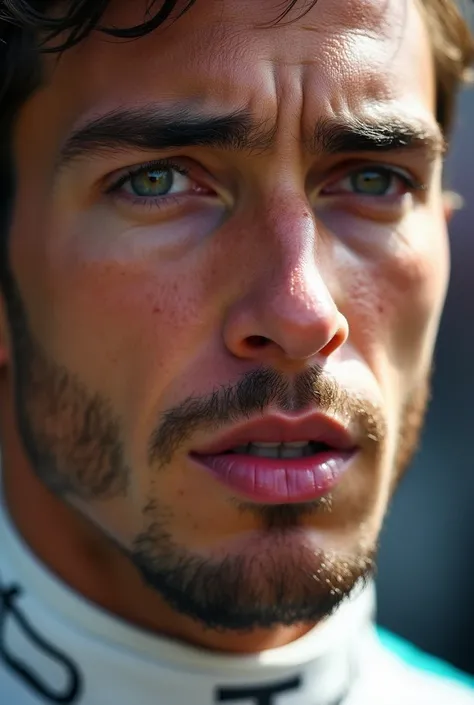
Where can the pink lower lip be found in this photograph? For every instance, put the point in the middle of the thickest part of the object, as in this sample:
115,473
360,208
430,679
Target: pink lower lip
278,480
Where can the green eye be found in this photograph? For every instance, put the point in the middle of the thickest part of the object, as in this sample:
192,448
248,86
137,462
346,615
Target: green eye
151,182
372,182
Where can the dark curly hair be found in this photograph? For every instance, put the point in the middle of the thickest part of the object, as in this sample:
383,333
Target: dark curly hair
24,22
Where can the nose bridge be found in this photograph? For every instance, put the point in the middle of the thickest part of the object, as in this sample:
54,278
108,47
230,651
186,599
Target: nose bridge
300,290
292,278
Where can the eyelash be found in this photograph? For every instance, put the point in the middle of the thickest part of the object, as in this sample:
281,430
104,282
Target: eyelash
156,202
408,179
134,171
412,183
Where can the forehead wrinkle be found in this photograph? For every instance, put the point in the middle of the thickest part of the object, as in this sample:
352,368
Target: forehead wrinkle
367,16
204,73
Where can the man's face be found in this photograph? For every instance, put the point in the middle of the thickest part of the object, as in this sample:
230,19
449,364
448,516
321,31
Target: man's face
223,223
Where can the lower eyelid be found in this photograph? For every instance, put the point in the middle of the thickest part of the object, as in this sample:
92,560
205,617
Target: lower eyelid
170,205
337,188
148,200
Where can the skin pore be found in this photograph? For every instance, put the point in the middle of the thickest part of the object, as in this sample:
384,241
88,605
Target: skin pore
296,259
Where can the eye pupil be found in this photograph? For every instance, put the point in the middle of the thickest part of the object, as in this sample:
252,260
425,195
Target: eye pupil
152,182
371,182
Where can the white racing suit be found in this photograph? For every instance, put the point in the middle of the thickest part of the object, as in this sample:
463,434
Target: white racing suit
55,647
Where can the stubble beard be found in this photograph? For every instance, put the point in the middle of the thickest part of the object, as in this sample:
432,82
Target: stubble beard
292,583
277,580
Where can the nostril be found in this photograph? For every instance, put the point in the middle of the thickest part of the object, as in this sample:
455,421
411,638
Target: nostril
339,337
258,341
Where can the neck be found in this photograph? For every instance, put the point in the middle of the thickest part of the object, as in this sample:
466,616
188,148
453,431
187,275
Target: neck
90,564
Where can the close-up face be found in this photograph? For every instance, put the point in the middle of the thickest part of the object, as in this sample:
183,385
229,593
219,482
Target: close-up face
229,257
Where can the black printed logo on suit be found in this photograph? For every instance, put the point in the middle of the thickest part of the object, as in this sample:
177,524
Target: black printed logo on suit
263,695
71,692
258,695
9,610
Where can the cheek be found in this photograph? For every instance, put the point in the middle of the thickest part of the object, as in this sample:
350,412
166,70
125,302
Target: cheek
416,282
394,303
125,323
131,323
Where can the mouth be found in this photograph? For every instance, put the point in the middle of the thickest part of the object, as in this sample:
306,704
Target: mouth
280,461
291,450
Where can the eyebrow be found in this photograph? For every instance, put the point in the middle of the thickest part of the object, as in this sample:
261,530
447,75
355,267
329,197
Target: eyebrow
152,129
386,134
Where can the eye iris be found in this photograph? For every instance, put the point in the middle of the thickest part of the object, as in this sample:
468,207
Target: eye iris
371,182
152,182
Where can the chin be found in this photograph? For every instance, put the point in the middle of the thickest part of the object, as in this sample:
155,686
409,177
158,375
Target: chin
257,580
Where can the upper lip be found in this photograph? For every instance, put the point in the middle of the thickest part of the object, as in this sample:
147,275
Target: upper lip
278,429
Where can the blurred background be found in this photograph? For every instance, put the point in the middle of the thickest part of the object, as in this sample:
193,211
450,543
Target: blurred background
426,577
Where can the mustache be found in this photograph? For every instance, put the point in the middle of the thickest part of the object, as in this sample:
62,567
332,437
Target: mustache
254,393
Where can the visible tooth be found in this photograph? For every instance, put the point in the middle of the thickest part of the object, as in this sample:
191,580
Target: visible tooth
269,450
291,452
265,445
293,449
296,444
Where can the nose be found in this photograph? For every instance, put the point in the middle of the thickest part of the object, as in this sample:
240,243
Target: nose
287,313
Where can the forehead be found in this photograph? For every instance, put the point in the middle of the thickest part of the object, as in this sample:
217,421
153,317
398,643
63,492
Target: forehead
342,55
